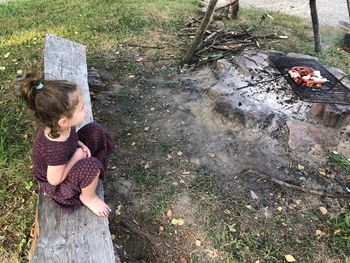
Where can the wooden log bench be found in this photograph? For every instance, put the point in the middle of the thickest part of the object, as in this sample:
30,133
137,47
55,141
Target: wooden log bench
80,236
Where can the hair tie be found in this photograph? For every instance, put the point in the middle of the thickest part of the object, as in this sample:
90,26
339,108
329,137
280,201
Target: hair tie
40,86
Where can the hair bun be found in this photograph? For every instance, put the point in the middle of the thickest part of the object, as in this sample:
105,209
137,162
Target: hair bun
28,84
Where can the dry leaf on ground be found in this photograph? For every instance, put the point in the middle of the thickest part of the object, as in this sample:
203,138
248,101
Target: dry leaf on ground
290,258
323,210
169,214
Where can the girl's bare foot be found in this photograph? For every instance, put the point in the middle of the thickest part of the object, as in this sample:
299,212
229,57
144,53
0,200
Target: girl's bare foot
95,204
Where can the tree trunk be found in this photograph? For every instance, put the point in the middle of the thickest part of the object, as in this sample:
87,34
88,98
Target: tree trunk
348,1
315,25
234,8
200,32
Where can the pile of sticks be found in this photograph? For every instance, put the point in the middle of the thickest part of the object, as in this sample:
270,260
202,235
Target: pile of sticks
220,42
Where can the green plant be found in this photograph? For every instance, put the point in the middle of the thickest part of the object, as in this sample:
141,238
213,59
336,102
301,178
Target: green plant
340,241
340,161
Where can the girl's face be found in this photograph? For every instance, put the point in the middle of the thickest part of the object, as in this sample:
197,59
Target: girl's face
79,112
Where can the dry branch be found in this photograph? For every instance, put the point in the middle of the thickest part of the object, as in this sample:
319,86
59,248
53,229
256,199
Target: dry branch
216,39
201,30
294,187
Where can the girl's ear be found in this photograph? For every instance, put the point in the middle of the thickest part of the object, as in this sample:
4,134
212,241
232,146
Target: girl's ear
63,122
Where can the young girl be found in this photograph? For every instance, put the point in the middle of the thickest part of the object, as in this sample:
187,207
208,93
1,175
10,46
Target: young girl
66,163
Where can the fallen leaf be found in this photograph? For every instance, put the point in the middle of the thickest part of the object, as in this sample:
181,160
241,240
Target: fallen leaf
113,168
198,243
290,258
249,206
319,233
118,211
168,157
300,167
174,221
180,222
179,153
147,166
146,128
185,173
337,231
253,195
212,155
2,68
323,210
133,143
7,55
131,76
335,152
280,209
113,237
322,172
161,228
169,214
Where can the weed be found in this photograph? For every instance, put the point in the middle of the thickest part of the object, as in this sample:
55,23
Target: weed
340,161
176,84
340,240
159,204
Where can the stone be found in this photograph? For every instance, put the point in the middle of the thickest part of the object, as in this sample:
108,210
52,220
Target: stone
304,136
245,112
94,79
347,40
251,61
331,115
317,110
302,56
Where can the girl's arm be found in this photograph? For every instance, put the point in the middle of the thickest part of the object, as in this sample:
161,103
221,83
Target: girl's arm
58,173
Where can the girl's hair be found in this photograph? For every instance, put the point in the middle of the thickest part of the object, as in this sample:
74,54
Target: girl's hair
49,100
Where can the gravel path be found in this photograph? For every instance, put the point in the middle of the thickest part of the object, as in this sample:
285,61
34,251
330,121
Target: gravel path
329,11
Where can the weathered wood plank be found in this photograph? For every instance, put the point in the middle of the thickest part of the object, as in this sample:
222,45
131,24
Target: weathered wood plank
80,236
66,60
345,25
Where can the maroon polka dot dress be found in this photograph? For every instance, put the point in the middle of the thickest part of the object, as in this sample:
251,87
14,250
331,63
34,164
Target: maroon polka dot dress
47,152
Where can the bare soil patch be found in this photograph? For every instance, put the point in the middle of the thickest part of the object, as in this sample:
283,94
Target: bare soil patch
176,153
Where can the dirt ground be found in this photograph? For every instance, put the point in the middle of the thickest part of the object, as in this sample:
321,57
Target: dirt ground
177,180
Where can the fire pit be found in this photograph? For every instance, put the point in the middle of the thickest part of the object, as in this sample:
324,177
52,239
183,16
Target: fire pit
332,91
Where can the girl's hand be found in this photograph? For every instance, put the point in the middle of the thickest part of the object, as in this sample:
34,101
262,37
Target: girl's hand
85,149
79,154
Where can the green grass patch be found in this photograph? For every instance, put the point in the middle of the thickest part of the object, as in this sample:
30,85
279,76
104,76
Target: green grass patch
340,241
158,205
340,160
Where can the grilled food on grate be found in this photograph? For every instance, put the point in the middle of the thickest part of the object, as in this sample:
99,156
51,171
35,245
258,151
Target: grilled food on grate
307,76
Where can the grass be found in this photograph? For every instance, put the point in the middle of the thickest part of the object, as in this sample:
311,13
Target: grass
245,236
340,160
341,234
104,26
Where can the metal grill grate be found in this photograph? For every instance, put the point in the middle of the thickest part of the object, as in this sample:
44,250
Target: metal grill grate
331,92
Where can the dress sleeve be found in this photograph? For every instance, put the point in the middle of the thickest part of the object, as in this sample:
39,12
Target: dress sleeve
56,154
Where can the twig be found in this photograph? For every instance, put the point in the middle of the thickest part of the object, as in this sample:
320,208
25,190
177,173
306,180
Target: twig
259,82
294,187
142,46
136,231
